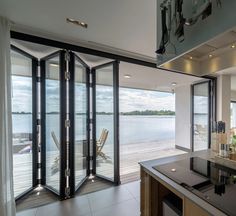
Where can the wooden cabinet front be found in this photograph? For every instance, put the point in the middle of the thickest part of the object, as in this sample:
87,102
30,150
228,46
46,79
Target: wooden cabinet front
152,195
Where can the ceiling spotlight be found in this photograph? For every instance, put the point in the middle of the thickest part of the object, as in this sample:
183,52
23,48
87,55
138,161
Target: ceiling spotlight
191,57
76,22
173,83
127,76
233,46
210,55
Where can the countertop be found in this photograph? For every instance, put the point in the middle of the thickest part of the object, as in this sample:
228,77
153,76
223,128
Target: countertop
206,154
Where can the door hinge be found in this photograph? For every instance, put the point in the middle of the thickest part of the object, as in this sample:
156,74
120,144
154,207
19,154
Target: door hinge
67,173
67,56
38,121
67,123
67,192
67,75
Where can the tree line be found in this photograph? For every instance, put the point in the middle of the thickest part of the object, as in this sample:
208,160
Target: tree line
149,112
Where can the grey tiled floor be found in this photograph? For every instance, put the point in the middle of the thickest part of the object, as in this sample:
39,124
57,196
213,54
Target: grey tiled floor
116,201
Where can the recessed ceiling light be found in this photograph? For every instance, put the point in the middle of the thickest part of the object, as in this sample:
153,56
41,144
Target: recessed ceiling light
173,83
127,76
233,46
191,57
210,55
77,22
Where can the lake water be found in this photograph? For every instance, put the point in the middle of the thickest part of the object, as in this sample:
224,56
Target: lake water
133,129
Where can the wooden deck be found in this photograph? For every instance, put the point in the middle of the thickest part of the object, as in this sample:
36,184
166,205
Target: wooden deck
130,155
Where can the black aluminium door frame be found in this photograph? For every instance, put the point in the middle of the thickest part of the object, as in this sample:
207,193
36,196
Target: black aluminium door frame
73,58
88,109
211,109
62,65
34,69
115,64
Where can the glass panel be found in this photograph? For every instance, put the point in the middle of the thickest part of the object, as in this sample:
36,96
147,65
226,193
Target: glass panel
105,122
80,123
201,116
21,122
52,132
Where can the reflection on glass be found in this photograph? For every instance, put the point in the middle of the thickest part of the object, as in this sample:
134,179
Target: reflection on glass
80,123
52,86
21,122
105,122
201,116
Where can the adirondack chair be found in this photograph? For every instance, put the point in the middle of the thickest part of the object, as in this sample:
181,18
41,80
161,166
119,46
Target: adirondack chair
55,165
100,144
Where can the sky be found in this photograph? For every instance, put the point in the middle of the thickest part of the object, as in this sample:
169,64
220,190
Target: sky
134,99
21,94
130,99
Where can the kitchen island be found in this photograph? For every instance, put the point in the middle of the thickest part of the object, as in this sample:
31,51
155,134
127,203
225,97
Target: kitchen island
202,198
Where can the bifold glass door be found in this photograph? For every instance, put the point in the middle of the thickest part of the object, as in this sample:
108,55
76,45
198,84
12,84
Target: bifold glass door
65,109
52,122
81,121
52,117
23,112
106,121
201,116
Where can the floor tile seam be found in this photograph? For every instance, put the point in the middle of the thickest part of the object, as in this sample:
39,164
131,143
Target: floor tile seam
112,205
90,208
130,192
126,199
118,186
36,212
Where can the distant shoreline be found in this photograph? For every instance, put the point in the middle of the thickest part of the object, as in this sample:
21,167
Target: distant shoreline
133,113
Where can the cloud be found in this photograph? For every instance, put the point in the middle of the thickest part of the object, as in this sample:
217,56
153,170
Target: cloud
200,104
134,99
130,99
21,94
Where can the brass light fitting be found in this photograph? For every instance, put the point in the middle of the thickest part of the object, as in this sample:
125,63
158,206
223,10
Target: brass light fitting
76,22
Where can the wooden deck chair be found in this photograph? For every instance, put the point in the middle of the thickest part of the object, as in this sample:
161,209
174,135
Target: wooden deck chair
55,140
201,131
101,142
55,165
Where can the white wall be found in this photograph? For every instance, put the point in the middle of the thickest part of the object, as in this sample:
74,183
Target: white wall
223,99
233,95
182,116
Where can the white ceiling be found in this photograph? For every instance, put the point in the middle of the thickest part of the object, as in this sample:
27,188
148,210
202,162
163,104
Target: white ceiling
141,77
216,45
151,78
128,25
